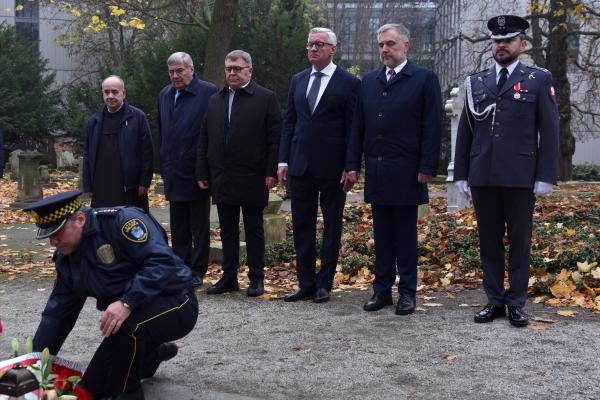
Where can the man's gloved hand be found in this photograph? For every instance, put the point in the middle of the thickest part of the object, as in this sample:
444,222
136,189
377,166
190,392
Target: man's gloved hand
541,188
463,189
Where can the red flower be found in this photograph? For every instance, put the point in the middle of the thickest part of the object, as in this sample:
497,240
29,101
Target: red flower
62,382
82,394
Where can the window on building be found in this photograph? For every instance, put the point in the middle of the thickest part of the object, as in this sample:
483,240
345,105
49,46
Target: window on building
27,20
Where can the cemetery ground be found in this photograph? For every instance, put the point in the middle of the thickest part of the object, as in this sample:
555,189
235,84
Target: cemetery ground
267,349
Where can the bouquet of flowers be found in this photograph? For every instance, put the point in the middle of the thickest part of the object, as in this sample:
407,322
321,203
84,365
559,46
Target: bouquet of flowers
58,378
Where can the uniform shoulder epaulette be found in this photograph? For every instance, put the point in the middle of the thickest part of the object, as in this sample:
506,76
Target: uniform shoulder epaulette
478,72
538,68
106,211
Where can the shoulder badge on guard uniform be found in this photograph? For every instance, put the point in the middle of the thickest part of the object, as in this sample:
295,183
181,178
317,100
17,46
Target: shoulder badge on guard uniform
135,230
105,211
106,254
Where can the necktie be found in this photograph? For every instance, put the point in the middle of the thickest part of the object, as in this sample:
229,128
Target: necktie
314,91
177,94
391,74
503,78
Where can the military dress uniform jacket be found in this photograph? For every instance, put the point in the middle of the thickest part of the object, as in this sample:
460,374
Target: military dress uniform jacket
124,255
519,144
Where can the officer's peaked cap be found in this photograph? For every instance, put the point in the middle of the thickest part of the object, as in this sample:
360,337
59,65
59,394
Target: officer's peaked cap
51,213
507,26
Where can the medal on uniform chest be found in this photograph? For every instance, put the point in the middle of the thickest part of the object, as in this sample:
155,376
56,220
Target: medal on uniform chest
517,89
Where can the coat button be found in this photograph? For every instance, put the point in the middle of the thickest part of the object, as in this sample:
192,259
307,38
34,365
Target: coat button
384,93
380,114
379,136
379,158
496,135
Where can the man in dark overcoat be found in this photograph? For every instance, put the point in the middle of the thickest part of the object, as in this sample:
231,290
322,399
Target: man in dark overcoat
398,127
507,152
118,153
237,162
312,155
181,108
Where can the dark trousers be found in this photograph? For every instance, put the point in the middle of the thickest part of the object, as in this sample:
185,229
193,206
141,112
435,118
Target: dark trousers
395,233
190,232
124,358
307,193
501,210
229,221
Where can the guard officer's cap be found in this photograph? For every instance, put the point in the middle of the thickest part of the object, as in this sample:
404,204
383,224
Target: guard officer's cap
51,213
507,26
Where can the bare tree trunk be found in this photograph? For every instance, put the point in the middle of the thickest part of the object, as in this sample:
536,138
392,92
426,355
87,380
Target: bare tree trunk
218,44
556,62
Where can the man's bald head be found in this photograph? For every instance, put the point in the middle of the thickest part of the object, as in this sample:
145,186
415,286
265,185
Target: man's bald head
113,92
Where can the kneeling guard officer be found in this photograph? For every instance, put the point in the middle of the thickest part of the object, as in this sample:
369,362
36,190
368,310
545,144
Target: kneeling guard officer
507,153
120,257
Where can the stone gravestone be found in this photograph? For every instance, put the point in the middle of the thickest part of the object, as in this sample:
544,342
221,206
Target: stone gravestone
44,173
29,187
453,108
64,149
274,226
13,161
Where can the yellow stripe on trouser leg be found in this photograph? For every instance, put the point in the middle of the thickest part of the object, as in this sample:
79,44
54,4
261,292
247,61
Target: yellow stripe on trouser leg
187,299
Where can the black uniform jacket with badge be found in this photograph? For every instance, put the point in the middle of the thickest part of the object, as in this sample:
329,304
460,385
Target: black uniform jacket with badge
123,254
522,146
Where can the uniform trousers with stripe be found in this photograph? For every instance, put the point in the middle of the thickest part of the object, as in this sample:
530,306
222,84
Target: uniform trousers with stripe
123,359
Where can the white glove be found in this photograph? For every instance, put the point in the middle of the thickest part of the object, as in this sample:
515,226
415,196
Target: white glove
463,188
541,188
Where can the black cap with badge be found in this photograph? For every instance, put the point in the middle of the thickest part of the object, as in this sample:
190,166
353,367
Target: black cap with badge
507,26
51,213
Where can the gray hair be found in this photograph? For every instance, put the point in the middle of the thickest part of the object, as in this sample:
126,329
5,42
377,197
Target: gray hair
180,58
331,38
235,54
401,29
116,77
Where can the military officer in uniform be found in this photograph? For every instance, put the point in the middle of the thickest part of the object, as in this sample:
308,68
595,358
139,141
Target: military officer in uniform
506,154
120,257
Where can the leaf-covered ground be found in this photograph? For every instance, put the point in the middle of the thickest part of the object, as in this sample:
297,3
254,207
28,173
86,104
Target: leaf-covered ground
564,260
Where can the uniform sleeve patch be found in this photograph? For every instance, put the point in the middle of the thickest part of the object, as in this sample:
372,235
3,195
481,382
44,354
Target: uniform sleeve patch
135,230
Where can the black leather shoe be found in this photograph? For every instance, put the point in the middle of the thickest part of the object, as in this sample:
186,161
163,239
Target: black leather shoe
166,351
321,296
301,294
489,312
517,317
197,281
406,304
378,301
256,288
225,284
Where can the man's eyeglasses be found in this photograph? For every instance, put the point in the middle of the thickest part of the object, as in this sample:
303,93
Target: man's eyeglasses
319,45
236,69
178,71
